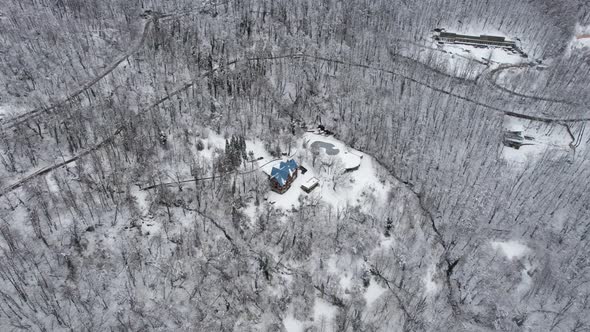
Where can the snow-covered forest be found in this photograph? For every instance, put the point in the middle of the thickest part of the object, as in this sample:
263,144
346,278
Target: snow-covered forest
438,186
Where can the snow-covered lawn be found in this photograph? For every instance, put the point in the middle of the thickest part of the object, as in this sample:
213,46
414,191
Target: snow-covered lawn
336,187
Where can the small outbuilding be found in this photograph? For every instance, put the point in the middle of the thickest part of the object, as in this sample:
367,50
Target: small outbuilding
310,185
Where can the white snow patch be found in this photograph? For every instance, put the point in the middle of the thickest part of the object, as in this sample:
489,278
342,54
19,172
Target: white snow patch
580,39
7,111
526,281
51,183
492,55
289,91
511,249
250,211
323,314
293,325
141,199
257,147
332,265
430,285
386,243
346,280
373,292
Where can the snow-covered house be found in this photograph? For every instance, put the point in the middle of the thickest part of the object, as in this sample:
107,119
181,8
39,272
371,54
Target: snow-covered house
282,175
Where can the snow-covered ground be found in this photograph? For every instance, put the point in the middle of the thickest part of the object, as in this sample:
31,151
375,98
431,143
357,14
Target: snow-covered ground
323,314
511,249
373,292
336,188
323,318
430,284
487,54
8,111
514,250
368,187
581,38
293,325
543,137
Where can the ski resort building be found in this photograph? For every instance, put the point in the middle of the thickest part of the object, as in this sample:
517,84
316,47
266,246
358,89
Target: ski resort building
282,175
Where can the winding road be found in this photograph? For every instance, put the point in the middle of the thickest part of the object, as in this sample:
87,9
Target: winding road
149,21
28,116
492,78
509,99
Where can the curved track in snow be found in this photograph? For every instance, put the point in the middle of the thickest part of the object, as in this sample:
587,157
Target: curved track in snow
492,80
304,56
25,117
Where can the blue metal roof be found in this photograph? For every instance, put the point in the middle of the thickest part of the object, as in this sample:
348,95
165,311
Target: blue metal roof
285,170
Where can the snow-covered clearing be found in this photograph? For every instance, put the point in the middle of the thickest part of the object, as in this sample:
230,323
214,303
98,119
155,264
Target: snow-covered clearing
538,137
345,268
514,250
293,325
337,187
323,314
373,292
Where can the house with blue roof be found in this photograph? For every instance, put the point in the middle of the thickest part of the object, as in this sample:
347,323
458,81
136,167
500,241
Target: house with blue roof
282,175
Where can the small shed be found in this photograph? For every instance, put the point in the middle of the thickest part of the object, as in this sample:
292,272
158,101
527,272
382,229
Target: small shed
310,185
